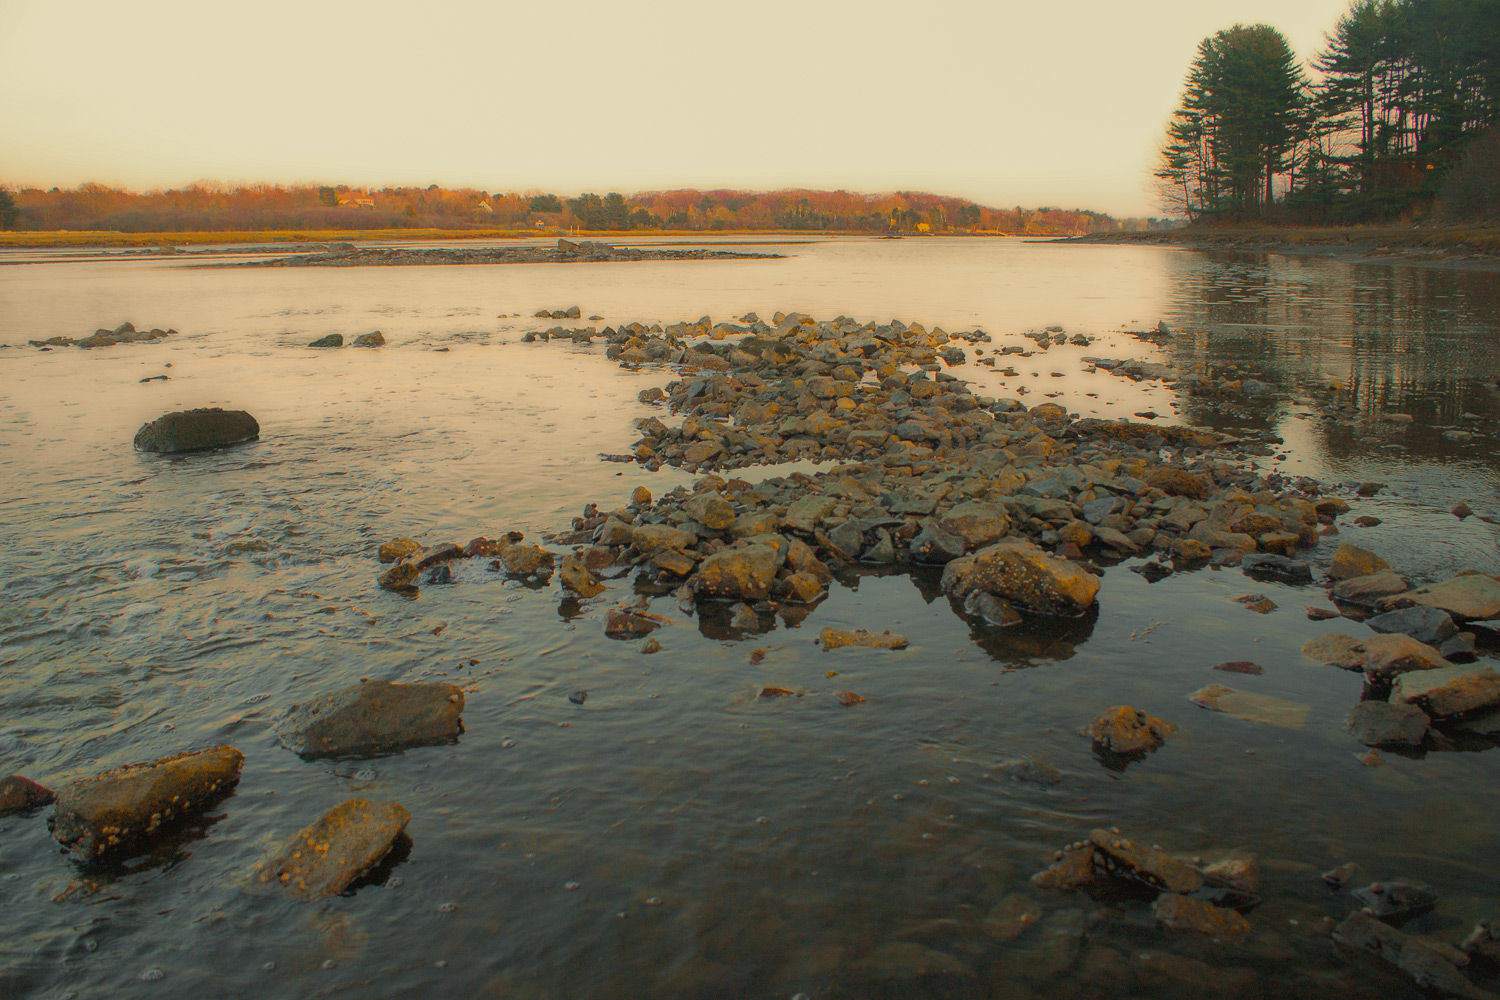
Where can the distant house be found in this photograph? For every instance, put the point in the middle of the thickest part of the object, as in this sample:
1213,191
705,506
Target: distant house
355,199
484,206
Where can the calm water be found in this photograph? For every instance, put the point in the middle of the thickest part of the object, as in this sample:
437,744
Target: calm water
675,836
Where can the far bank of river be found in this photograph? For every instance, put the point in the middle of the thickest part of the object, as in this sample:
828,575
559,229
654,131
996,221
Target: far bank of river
1446,245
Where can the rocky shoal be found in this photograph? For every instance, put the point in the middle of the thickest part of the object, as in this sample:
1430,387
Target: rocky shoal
566,252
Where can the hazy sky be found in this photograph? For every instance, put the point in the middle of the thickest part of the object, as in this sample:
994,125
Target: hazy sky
1041,102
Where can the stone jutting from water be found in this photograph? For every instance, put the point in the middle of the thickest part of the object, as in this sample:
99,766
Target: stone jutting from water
1469,596
373,717
1428,966
1446,692
345,842
1128,731
18,793
197,430
121,811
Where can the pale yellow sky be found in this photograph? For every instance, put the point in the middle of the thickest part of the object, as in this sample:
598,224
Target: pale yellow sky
1034,103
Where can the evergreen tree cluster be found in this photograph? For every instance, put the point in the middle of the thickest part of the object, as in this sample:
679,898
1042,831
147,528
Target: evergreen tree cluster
1400,91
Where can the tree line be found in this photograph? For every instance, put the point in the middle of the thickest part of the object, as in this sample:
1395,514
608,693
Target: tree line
211,207
1398,115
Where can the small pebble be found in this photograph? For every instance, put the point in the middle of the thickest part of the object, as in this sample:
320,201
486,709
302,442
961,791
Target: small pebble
153,974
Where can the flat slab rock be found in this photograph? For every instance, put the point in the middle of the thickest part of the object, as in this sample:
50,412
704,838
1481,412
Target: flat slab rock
1262,708
1427,966
345,842
1336,649
373,717
1184,913
195,430
113,814
1472,595
834,638
1387,656
1449,691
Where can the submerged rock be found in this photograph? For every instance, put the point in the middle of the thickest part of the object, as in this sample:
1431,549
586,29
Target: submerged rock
1251,707
18,794
1380,723
1396,900
196,430
327,857
113,814
373,717
629,625
1125,730
1184,913
834,638
1428,966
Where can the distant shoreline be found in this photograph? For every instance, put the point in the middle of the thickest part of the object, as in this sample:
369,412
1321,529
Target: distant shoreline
1447,245
29,240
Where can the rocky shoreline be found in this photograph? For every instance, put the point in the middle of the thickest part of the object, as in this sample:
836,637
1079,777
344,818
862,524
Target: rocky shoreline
1444,245
566,252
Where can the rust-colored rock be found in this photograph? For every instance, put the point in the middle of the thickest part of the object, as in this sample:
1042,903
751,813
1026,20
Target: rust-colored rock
1128,859
400,577
327,857
1386,656
577,578
835,638
1351,561
18,794
1125,730
1337,650
1184,913
399,548
629,625
1023,574
115,813
1180,483
743,574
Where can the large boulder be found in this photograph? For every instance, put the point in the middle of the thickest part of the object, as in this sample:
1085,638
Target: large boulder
1351,561
1378,723
742,574
1023,574
347,841
1470,596
195,430
373,717
1423,624
1449,691
1369,590
1386,656
114,814
978,524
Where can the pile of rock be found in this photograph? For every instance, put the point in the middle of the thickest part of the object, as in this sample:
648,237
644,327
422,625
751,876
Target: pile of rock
125,333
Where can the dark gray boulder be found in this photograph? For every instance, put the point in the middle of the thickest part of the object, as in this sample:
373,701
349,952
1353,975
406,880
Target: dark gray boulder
111,815
1267,566
1423,624
332,340
373,717
375,339
1379,723
196,430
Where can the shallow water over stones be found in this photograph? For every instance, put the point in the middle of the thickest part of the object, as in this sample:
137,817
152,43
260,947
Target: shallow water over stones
674,833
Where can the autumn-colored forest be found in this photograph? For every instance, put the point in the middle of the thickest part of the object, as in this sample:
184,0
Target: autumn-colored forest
210,207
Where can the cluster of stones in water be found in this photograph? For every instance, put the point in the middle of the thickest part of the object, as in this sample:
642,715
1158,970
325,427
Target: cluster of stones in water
108,817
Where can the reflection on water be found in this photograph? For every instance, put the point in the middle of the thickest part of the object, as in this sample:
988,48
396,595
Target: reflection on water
675,835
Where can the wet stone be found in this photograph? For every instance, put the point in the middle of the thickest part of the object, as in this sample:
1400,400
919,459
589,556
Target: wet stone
1127,731
399,548
1379,723
1369,591
1351,561
991,609
345,843
933,545
113,814
1146,864
1336,649
1465,597
1267,566
373,717
1183,913
620,624
18,794
1386,656
1427,966
1427,625
1023,574
1251,707
1449,691
196,430
836,638
1396,900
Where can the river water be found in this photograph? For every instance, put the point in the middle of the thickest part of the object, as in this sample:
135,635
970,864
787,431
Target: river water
674,835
